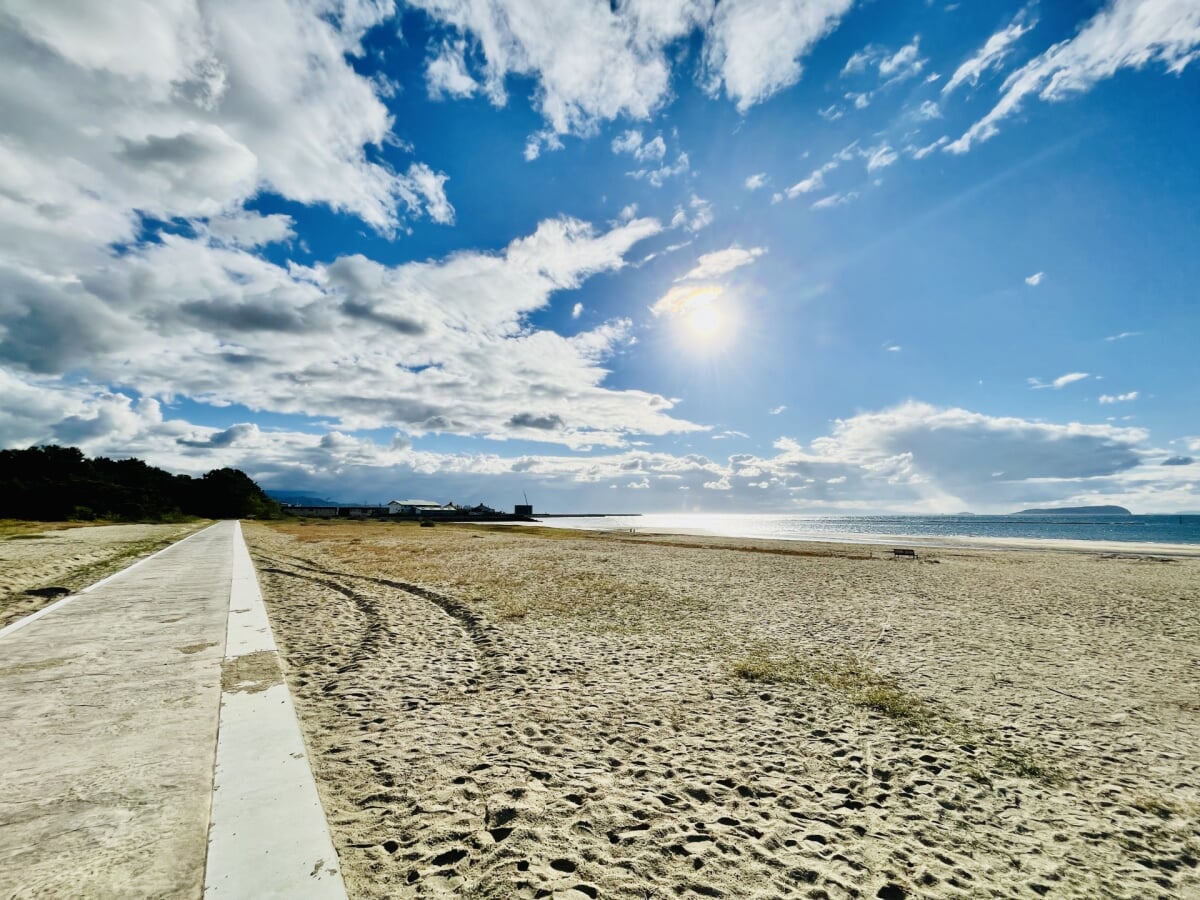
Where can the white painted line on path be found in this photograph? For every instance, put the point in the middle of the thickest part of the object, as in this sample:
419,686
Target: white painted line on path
59,604
268,836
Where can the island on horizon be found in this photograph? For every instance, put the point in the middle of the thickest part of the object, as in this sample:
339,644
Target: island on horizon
1075,511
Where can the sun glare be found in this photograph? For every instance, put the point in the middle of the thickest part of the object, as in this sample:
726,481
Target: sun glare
704,321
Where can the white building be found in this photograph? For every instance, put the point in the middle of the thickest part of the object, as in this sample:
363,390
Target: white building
416,507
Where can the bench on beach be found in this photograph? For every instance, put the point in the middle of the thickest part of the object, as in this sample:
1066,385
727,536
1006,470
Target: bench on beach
903,553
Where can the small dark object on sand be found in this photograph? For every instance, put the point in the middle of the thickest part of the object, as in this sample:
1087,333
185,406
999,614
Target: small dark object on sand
49,592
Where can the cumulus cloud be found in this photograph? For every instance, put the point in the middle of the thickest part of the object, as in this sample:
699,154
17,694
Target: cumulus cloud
596,62
754,47
756,181
992,54
188,109
633,143
1035,279
1125,34
722,262
914,457
435,346
446,72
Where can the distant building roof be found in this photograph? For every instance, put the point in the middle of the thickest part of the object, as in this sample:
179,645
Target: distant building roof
432,503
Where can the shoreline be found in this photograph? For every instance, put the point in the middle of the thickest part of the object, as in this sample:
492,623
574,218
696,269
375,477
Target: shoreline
933,542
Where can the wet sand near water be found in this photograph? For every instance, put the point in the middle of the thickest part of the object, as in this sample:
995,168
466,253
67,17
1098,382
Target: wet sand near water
553,713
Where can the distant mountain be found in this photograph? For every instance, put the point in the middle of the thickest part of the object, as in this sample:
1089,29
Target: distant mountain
1076,511
300,498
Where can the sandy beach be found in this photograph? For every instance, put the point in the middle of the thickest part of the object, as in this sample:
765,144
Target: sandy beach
39,564
553,713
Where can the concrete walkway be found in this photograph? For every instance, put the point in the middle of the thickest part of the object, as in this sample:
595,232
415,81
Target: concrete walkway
110,706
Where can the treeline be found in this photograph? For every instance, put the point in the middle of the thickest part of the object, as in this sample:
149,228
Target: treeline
53,483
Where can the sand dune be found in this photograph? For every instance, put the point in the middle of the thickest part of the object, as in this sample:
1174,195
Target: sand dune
547,714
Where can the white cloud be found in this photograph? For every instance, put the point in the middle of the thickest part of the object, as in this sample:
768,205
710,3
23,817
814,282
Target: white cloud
633,143
596,62
904,63
890,67
722,262
246,228
928,110
922,152
627,142
881,157
683,299
754,47
991,54
435,346
860,100
1125,34
656,176
893,348
652,150
1060,382
187,110
831,113
1122,336
446,72
589,64
698,214
914,457
756,181
814,182
774,411
576,310
835,200
1118,398
1035,279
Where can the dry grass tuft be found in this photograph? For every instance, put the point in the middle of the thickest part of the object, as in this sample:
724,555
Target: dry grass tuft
848,676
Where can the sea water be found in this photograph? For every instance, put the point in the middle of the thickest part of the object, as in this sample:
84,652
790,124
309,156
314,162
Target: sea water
1134,529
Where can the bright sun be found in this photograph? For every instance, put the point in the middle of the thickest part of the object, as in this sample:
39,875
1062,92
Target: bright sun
704,321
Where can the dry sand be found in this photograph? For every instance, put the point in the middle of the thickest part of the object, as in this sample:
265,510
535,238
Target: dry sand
52,561
535,714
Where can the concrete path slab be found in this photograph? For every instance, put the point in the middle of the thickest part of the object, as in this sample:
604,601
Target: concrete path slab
269,837
109,709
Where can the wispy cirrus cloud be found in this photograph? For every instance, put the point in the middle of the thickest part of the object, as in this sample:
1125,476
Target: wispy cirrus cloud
1058,383
721,262
1125,34
992,54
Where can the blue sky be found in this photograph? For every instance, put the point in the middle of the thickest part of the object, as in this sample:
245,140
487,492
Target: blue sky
806,255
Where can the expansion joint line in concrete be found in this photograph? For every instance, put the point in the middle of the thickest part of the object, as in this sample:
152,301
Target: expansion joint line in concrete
267,835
